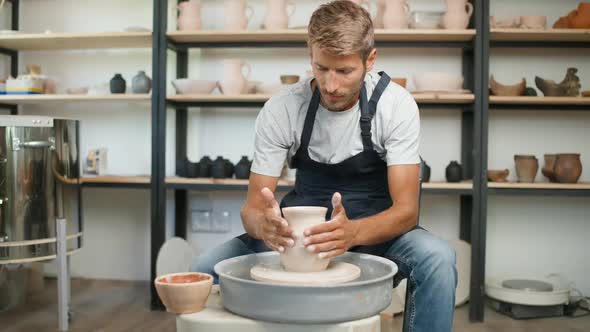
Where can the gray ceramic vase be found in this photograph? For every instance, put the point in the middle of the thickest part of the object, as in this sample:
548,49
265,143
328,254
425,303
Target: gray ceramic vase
141,83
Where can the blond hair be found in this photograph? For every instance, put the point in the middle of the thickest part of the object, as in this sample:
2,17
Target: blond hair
342,28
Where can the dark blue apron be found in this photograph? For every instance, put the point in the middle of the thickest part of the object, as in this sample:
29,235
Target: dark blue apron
361,179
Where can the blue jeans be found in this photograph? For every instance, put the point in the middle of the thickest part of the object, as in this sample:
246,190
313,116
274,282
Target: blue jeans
426,260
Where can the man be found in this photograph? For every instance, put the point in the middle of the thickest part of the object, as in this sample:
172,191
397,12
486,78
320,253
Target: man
353,137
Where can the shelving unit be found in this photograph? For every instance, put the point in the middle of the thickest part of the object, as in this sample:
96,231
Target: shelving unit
540,103
49,98
116,181
73,41
470,42
539,188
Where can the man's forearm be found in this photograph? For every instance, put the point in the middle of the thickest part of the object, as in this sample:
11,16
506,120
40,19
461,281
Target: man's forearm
386,225
251,218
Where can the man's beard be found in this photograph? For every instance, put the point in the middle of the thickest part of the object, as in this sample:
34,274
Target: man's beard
346,101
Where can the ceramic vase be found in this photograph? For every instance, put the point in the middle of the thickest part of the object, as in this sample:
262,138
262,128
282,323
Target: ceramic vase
568,168
118,84
141,83
526,168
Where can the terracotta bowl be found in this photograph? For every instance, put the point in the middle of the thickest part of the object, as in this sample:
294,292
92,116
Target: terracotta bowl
252,86
400,81
434,81
185,86
184,293
289,79
533,22
495,175
586,93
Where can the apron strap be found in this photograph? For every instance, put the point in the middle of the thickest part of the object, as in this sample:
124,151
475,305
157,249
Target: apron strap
368,109
309,120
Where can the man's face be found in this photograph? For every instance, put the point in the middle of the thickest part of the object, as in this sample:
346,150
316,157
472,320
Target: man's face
339,77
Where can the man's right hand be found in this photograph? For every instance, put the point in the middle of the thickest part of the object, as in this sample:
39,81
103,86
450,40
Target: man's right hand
274,229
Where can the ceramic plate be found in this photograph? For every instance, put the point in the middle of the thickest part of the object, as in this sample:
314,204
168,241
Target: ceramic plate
336,273
175,256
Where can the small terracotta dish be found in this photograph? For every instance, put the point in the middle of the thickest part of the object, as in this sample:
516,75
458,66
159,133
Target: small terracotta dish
498,175
184,293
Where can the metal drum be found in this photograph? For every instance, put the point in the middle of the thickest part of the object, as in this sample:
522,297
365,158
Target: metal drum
39,182
364,297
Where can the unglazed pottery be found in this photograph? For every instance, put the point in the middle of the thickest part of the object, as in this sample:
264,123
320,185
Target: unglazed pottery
189,16
234,82
278,13
289,79
436,81
570,86
498,89
580,18
504,22
533,22
458,14
396,15
526,168
298,258
498,175
236,15
184,293
189,86
568,168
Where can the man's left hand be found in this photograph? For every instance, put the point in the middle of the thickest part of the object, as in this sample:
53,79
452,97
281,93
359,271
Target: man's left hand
334,237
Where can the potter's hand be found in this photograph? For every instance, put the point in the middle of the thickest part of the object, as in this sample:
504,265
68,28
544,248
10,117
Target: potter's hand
334,237
274,230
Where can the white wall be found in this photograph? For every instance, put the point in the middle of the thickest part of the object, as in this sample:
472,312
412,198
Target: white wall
525,234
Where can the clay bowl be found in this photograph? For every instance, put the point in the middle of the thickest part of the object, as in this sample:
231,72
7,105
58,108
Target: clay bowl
533,22
185,86
507,90
400,81
289,79
496,175
184,293
586,93
504,22
434,81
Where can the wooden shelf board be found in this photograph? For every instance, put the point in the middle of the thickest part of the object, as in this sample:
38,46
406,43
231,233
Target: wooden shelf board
448,185
541,35
116,179
539,185
300,35
425,98
44,98
525,100
65,41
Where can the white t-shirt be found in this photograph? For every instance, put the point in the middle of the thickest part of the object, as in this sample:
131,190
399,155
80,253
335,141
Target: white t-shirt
336,136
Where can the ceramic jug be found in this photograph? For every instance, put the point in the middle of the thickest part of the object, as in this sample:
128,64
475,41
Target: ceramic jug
233,81
236,15
297,258
189,17
278,13
378,20
458,14
580,18
396,15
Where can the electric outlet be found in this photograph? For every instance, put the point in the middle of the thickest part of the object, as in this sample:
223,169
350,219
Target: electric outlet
201,220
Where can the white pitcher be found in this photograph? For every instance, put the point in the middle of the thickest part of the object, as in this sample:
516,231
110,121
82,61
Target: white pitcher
189,16
233,81
458,14
278,13
236,15
396,14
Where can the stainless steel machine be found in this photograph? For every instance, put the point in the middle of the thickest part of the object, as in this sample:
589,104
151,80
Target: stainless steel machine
40,195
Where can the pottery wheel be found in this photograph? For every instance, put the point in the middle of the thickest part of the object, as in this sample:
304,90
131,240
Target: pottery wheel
336,273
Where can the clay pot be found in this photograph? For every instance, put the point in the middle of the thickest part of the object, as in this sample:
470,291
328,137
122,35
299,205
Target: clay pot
396,14
526,168
192,169
205,165
561,23
458,14
184,293
498,175
234,82
568,167
297,258
586,93
141,83
243,168
229,169
533,22
189,16
289,79
400,81
504,23
454,172
580,18
570,86
549,166
277,15
426,173
218,168
118,84
498,89
237,14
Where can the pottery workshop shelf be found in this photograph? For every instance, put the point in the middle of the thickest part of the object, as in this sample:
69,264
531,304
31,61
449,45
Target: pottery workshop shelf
540,103
539,188
298,37
461,188
540,38
430,99
70,41
113,181
48,98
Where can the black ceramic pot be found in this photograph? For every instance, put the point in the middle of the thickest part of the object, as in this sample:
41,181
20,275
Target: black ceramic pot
118,84
243,168
219,168
454,172
426,173
205,165
229,169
